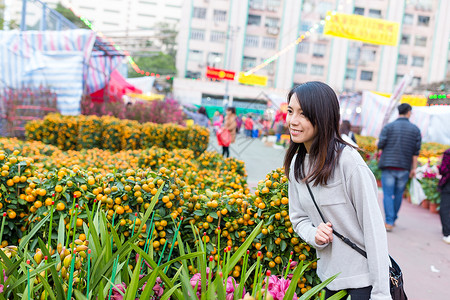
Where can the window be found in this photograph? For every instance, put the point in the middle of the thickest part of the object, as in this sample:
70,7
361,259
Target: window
406,38
368,54
252,41
358,11
195,55
273,5
319,50
269,43
271,22
420,41
303,47
423,20
214,59
322,8
254,20
402,59
375,13
197,34
418,61
248,62
366,75
220,15
317,70
350,74
192,74
408,19
305,25
416,81
217,36
256,4
398,77
300,68
199,13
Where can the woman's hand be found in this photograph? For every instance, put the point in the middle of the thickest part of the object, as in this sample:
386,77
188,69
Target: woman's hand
324,234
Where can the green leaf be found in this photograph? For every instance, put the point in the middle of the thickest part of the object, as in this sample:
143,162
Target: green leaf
79,295
283,245
338,295
315,289
61,232
199,213
134,283
169,293
47,287
35,229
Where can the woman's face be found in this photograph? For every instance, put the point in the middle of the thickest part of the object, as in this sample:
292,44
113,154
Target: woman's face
300,128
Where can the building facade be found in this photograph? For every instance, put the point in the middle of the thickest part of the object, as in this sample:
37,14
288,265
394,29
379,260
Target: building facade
241,35
129,23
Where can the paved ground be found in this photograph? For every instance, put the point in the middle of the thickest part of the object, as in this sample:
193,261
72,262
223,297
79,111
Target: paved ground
415,243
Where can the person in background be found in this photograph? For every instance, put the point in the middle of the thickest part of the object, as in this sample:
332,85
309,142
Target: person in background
230,125
279,130
345,190
248,126
400,142
346,133
217,120
239,122
200,117
444,188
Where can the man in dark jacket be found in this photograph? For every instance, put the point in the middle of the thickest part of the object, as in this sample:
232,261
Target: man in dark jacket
400,142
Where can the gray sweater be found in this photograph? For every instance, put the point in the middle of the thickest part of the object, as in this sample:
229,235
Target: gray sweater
349,202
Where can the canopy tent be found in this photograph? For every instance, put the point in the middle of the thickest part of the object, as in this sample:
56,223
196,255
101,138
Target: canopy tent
433,121
47,58
115,89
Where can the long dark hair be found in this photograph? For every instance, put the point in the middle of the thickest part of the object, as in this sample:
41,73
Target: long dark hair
320,105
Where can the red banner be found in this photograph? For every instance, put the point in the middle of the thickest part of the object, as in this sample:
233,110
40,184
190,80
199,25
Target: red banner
219,74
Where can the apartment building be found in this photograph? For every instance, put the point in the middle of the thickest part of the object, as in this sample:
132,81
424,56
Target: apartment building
129,23
240,35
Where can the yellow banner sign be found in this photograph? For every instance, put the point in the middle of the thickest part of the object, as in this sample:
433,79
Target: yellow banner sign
413,100
367,30
252,79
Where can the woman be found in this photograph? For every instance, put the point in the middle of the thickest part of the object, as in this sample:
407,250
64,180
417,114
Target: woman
200,117
345,191
346,133
444,187
230,124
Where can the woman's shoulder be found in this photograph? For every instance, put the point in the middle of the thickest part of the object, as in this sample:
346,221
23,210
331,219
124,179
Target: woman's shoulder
350,156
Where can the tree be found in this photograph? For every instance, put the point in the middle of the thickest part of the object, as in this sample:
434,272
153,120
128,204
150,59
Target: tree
69,15
161,63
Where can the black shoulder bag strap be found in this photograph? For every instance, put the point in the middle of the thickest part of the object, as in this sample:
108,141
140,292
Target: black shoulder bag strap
343,238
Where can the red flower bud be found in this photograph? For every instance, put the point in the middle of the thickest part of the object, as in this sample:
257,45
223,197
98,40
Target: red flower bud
53,202
28,261
135,214
268,272
292,252
211,258
259,253
89,251
46,257
76,205
4,214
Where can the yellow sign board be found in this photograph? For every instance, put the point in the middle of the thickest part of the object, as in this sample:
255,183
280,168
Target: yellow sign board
252,79
413,100
367,30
